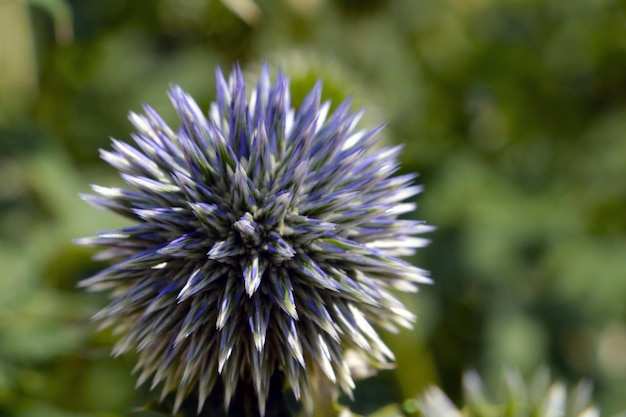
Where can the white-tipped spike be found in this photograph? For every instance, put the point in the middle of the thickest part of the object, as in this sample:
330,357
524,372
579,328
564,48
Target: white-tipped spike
325,360
294,344
252,276
223,357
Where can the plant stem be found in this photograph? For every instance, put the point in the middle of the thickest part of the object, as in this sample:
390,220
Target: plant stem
243,404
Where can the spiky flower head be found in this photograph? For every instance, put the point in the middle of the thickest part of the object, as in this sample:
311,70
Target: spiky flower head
541,397
266,241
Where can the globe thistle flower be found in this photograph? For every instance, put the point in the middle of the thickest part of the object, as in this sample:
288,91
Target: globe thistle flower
540,397
266,241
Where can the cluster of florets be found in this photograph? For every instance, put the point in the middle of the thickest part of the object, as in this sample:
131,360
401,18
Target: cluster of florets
266,241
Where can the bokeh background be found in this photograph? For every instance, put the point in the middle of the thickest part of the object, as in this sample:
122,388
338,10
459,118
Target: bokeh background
512,111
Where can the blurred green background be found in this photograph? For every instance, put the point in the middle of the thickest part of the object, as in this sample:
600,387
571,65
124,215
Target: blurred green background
513,112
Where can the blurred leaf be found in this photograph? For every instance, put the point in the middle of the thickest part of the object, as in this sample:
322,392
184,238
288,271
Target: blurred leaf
391,410
18,69
61,15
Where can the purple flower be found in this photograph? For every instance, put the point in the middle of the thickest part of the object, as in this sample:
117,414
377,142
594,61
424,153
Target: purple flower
266,241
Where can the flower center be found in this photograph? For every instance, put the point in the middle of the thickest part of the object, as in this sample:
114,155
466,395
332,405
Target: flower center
249,236
248,230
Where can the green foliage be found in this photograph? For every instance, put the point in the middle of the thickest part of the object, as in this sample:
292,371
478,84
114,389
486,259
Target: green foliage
513,111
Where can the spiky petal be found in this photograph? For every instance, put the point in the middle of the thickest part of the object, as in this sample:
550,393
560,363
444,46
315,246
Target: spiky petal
267,240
